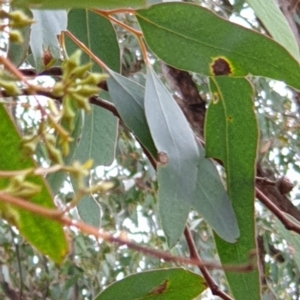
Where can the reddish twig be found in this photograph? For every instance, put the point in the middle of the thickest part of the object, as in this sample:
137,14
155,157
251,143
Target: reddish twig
93,100
194,255
56,215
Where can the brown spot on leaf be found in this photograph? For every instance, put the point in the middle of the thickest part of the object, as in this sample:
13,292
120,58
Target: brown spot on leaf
160,288
162,158
221,66
47,57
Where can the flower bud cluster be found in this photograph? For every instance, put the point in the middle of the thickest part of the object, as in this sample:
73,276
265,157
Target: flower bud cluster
75,88
16,20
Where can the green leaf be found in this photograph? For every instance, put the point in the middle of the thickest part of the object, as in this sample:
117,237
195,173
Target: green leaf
128,97
98,139
43,37
169,284
195,45
178,157
212,201
45,235
89,211
99,4
231,136
269,13
97,33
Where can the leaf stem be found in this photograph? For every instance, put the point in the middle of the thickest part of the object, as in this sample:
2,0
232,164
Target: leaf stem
138,34
84,48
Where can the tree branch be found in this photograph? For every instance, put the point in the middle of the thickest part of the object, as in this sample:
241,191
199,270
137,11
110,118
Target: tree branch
93,100
56,215
194,255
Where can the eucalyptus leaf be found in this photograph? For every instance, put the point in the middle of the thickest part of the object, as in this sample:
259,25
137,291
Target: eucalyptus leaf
98,34
165,284
98,140
43,37
47,236
232,137
199,44
178,157
274,20
128,97
212,202
89,211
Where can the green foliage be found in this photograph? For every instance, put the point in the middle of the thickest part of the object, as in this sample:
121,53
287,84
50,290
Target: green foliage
207,37
274,20
128,97
161,284
177,155
43,37
121,152
97,33
46,235
231,136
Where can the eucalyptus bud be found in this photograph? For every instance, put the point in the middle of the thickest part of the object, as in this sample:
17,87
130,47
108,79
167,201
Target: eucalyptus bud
15,36
284,185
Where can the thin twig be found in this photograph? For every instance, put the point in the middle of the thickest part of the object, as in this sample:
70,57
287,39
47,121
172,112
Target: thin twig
105,104
209,280
83,47
288,223
265,180
93,100
138,34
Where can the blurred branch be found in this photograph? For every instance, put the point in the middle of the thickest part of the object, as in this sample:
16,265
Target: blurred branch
10,293
270,190
290,225
47,283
